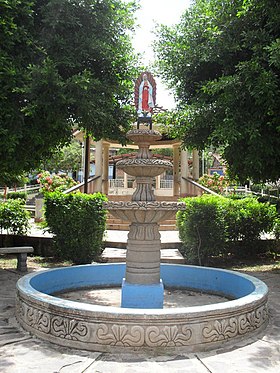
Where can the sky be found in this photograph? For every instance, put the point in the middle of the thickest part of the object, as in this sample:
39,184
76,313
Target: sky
166,12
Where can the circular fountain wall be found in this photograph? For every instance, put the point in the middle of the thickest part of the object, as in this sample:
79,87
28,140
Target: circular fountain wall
103,328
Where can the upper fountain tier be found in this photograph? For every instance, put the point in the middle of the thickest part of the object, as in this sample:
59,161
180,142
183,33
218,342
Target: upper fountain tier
143,165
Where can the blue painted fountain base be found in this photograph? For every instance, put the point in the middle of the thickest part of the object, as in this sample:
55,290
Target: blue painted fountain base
142,296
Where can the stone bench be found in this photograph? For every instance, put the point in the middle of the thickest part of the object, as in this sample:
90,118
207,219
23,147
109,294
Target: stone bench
21,253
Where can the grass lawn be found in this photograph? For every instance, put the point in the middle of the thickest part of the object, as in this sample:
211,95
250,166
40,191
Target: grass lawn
33,262
261,264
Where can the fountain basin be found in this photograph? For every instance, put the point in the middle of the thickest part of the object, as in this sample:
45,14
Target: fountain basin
113,329
144,212
143,136
144,167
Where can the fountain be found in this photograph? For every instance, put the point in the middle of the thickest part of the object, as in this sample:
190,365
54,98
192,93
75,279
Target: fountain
142,286
141,322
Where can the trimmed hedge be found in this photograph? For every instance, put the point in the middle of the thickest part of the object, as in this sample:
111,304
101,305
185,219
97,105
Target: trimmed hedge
212,225
78,223
13,217
17,195
201,227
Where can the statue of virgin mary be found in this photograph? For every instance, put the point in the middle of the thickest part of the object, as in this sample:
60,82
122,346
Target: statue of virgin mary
145,96
145,101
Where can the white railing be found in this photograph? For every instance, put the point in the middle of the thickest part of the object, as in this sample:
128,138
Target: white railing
116,183
119,183
199,187
166,184
30,189
238,189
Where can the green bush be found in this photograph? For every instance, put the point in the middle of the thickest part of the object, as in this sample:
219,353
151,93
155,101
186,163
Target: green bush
212,225
54,182
202,228
78,222
13,217
272,201
17,195
276,229
249,220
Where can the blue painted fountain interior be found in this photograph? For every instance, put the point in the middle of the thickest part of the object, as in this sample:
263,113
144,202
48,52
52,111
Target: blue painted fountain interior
218,281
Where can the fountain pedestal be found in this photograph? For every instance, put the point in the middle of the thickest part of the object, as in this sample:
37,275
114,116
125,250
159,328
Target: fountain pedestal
142,296
142,286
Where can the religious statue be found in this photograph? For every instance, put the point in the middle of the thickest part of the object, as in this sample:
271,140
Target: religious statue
145,97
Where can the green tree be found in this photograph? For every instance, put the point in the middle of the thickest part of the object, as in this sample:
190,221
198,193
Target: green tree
67,159
62,63
223,61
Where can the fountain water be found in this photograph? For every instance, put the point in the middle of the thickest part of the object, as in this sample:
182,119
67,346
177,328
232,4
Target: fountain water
141,322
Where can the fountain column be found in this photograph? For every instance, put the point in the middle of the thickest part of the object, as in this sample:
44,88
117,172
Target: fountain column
142,285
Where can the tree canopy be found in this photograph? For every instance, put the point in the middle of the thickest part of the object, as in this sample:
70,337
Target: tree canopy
223,62
66,159
63,63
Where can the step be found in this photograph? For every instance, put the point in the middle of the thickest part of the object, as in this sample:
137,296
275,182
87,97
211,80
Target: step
117,227
116,255
122,245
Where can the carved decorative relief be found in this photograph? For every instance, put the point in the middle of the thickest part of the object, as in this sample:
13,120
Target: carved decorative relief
168,336
145,205
19,308
144,162
252,320
143,131
37,319
141,335
68,328
120,335
221,330
228,328
144,232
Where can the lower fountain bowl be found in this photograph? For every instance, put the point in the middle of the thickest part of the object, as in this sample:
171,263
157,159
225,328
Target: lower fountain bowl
112,329
144,212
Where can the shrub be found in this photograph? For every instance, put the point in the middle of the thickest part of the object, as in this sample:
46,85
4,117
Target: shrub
247,219
17,195
202,228
215,182
276,228
251,218
13,216
78,223
54,182
212,225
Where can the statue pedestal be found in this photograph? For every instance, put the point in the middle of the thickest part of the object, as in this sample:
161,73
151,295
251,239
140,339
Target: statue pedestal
142,296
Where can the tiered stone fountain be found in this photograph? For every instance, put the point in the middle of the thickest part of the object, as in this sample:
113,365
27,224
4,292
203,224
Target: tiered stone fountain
142,286
141,322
